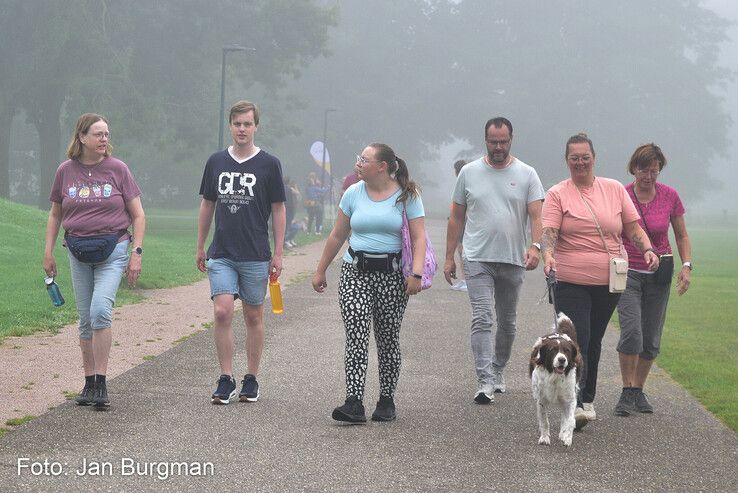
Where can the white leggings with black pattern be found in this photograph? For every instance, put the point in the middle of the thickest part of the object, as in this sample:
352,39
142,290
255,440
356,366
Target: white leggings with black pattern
366,297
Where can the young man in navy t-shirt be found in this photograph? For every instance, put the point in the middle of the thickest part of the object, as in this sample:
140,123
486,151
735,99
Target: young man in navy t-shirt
242,186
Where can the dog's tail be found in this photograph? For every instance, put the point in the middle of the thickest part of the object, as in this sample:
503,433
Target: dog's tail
565,326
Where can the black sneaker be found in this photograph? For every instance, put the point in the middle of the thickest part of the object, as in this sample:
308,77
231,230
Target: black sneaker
226,390
385,409
626,403
85,396
352,411
250,389
100,395
641,402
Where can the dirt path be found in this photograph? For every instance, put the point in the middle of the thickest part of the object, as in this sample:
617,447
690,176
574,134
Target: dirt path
37,371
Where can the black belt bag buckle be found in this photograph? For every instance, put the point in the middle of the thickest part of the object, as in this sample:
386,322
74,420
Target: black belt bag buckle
375,262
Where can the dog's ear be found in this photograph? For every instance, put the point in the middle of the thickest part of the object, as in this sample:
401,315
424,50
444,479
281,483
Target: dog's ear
535,356
578,361
541,355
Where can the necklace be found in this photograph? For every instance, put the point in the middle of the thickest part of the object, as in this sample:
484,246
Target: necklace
89,167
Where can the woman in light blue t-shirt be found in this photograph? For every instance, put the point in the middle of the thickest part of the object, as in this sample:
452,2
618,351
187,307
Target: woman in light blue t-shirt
372,287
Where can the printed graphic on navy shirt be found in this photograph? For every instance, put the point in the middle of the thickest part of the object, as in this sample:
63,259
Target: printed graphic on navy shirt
244,194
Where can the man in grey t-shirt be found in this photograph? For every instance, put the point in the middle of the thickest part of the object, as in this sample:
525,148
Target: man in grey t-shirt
495,198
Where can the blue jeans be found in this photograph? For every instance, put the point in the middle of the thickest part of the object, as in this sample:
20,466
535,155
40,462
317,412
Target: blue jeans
95,287
246,280
503,281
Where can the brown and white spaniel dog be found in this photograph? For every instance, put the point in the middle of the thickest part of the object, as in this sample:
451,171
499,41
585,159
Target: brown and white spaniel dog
555,366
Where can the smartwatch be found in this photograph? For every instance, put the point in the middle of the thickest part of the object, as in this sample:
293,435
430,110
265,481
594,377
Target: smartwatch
138,250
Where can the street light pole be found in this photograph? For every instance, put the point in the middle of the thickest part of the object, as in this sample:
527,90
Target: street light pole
325,136
226,49
325,146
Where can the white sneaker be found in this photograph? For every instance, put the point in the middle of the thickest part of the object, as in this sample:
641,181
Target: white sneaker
459,286
580,418
485,393
589,411
499,383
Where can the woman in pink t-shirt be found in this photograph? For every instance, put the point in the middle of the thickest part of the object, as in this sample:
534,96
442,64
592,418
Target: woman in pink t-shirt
642,307
95,196
573,248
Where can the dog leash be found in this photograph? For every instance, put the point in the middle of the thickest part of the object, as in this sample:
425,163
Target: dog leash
551,283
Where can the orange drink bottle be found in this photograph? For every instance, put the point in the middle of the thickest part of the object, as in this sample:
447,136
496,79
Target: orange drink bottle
275,293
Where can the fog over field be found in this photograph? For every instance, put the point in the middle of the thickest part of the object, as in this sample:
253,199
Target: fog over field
420,75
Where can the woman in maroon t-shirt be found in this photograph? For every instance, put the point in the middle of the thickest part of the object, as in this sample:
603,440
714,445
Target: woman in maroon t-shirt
93,195
642,307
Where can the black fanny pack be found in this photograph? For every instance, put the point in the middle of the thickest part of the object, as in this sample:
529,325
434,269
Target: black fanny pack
665,271
376,262
92,249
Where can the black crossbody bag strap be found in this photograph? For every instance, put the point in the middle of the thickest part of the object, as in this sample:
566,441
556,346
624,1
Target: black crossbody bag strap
643,216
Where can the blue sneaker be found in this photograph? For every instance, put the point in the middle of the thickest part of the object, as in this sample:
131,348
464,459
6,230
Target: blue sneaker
250,390
226,390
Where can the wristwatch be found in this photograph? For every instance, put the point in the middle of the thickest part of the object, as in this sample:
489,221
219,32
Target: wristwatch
138,250
417,276
537,245
688,265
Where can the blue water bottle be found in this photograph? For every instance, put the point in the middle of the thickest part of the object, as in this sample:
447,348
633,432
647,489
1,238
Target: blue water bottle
54,292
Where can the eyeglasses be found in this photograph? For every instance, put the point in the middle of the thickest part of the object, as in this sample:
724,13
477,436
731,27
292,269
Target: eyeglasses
644,172
584,159
500,143
100,135
362,160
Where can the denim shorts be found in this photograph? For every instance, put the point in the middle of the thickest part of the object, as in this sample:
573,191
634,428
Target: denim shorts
246,280
95,288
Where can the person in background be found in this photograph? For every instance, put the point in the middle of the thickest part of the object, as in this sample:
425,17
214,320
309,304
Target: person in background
242,186
314,196
349,180
292,197
574,250
642,307
373,289
494,199
95,194
461,284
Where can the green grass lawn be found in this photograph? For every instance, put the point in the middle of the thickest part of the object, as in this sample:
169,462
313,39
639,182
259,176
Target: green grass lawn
701,331
25,306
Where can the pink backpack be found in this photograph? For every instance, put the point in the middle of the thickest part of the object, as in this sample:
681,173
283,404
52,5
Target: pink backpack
429,265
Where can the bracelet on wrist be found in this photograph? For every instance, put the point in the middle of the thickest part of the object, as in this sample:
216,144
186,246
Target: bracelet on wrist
649,249
417,276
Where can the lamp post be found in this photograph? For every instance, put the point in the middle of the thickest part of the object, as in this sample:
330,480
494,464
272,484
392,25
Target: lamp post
226,49
325,145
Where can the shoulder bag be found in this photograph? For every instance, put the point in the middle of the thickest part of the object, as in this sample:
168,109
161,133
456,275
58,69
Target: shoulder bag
429,265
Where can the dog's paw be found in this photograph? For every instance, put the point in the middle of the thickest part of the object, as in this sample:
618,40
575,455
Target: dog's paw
544,440
566,438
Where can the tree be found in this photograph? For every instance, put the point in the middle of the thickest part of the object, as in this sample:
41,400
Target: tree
153,69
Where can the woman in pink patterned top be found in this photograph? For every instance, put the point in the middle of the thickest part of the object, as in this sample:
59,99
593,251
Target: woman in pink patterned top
642,307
